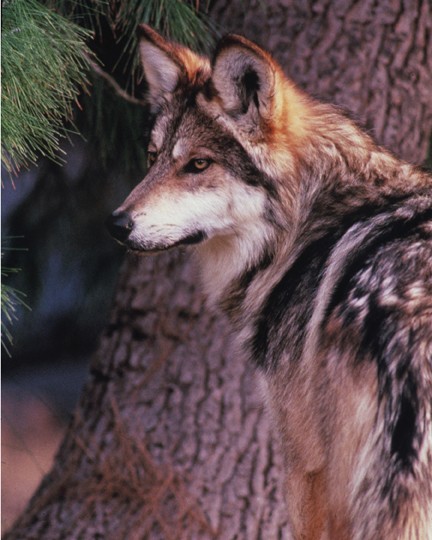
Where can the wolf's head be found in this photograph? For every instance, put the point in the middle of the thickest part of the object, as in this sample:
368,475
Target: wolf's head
220,140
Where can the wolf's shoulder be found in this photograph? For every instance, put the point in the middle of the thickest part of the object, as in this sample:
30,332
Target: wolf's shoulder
382,299
395,249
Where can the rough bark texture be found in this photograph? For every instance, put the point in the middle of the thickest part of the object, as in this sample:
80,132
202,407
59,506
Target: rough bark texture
170,439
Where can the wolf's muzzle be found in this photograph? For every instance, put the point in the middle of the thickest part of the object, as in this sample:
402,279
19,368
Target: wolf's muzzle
120,225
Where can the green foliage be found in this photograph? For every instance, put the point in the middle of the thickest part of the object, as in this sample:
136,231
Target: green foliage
11,299
43,67
178,20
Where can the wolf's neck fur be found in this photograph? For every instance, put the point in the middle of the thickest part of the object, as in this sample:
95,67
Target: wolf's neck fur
224,260
341,170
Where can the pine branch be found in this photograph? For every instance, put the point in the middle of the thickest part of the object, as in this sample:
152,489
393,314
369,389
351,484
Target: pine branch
113,83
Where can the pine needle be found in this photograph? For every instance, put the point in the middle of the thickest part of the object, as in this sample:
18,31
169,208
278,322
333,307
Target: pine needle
11,300
43,68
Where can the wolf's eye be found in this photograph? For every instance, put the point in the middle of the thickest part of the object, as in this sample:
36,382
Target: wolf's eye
197,165
151,158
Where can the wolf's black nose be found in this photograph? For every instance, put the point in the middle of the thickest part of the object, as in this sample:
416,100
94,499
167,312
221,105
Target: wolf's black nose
120,225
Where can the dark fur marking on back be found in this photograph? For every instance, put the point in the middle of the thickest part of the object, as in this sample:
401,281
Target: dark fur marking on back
395,228
283,302
286,295
405,427
401,411
287,307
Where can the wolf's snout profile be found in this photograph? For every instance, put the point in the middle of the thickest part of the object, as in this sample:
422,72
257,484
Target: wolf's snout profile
317,243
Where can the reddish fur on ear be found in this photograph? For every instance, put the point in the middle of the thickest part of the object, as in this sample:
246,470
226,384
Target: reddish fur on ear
147,32
166,64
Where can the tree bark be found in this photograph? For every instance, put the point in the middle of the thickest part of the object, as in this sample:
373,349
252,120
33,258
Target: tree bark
170,438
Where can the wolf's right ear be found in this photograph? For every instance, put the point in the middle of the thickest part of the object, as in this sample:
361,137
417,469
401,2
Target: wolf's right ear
162,67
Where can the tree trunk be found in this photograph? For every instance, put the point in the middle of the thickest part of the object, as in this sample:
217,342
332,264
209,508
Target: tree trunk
170,439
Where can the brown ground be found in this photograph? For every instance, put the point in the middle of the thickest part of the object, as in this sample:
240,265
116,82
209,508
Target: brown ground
31,433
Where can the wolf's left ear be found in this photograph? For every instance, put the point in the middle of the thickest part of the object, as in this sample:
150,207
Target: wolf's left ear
244,78
162,66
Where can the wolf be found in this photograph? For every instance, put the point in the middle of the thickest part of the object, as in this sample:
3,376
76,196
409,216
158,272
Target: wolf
317,243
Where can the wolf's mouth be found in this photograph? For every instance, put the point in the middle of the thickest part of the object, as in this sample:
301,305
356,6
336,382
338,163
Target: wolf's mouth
194,238
188,240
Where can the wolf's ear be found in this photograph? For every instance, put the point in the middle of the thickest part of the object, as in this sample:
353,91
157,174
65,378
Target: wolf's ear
244,78
162,67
